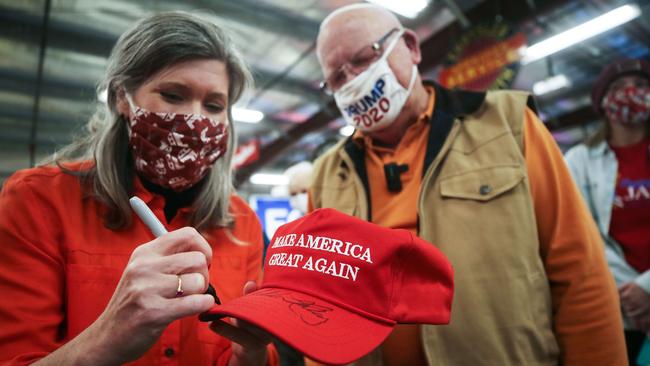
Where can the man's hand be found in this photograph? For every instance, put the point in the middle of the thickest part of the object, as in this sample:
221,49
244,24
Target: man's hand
636,304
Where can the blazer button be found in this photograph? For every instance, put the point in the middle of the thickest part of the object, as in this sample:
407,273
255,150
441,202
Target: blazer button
485,189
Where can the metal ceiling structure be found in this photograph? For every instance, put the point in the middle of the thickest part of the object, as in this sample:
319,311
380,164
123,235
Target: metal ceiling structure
41,111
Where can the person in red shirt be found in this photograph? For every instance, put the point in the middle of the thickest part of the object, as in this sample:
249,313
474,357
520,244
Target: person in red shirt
613,171
82,280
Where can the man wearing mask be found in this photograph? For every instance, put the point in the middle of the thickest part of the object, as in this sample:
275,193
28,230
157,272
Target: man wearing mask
612,169
478,175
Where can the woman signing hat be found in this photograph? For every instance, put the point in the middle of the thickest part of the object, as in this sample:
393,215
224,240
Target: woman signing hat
82,280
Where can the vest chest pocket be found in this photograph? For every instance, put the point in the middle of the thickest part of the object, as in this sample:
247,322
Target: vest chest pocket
481,185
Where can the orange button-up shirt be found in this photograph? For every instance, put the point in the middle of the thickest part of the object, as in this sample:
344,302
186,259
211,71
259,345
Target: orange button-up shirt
60,266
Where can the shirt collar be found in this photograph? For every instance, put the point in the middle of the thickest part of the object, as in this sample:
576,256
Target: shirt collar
152,199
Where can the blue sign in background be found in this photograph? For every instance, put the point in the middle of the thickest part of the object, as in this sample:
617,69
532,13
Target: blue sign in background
273,212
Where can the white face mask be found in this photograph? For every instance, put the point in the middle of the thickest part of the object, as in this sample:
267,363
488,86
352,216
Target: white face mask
374,98
299,202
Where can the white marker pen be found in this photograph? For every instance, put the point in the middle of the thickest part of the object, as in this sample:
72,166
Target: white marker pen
147,216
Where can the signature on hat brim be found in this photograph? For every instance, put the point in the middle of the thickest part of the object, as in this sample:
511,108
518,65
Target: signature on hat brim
323,331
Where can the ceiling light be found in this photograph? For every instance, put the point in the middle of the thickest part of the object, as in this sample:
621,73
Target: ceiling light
582,32
246,115
269,179
346,130
551,84
407,8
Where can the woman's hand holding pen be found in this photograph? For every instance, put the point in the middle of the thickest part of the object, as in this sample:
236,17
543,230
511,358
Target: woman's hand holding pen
146,298
165,279
249,343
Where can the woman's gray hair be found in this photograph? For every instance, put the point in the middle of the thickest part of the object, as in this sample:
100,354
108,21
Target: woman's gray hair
154,44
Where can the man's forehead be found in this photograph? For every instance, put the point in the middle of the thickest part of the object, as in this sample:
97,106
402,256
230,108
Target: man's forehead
344,28
351,30
364,20
363,12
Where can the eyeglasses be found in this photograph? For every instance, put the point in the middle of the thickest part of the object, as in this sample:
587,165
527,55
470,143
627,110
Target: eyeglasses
357,64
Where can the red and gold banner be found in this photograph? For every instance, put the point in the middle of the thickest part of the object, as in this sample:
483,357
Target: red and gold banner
486,57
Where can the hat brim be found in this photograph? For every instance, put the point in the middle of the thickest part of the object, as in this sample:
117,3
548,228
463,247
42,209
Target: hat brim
321,330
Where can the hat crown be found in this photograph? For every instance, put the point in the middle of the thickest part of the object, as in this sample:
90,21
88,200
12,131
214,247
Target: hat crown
334,286
359,266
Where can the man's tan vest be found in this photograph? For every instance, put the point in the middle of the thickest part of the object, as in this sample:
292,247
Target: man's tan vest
475,205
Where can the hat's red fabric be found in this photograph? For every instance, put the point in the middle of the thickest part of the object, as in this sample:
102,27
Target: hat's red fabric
335,286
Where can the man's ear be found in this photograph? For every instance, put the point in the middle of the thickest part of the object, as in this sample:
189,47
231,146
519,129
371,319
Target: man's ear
413,43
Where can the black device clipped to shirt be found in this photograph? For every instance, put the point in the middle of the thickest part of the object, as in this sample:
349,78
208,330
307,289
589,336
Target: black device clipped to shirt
393,172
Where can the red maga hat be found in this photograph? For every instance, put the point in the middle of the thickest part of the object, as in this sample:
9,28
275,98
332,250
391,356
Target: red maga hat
335,286
611,72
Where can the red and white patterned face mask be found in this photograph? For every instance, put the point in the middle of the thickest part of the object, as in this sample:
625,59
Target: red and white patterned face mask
174,150
629,105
